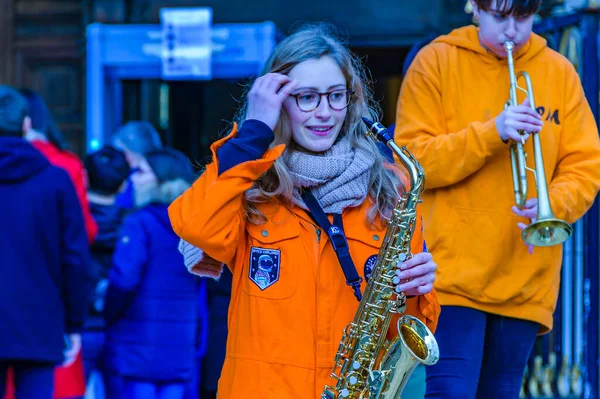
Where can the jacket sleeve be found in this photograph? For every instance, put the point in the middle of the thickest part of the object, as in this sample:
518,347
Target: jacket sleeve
75,259
576,179
447,157
210,215
424,307
80,181
125,275
428,305
198,263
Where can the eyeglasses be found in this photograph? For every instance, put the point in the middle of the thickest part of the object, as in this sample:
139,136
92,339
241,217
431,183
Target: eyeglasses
310,100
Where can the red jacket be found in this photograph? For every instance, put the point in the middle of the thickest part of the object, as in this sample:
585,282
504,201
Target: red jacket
72,165
70,381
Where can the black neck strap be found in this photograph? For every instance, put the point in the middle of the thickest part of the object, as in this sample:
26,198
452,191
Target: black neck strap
336,235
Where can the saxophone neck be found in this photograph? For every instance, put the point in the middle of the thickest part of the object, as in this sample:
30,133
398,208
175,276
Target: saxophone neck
415,171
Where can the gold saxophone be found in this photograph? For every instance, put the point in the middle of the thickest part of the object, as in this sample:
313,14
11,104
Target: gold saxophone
367,365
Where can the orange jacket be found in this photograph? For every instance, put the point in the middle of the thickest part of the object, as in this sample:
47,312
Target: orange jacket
282,338
450,97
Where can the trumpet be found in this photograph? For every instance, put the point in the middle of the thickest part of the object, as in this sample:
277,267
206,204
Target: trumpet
546,230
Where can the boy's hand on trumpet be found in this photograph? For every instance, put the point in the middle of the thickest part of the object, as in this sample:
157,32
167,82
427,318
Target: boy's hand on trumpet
519,118
529,211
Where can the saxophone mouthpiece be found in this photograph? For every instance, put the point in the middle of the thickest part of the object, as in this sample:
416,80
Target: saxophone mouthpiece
378,130
368,122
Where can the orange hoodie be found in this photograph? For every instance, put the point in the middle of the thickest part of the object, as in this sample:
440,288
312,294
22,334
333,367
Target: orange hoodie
446,114
284,329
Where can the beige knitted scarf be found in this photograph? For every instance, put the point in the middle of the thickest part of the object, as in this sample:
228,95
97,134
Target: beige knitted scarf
338,178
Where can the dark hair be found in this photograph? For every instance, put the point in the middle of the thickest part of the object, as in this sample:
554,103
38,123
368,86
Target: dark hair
8,133
138,136
107,169
173,172
13,109
41,120
511,7
169,164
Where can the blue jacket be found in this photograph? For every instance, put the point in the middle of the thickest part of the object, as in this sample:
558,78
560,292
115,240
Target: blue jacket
152,307
45,281
109,219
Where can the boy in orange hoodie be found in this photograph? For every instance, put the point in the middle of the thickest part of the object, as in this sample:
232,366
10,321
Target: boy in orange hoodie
301,130
496,296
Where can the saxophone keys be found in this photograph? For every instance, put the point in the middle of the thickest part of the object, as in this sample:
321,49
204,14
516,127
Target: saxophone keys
400,307
375,380
353,382
328,395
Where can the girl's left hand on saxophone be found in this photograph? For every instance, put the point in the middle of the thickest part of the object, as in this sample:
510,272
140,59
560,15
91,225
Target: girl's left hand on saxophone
416,274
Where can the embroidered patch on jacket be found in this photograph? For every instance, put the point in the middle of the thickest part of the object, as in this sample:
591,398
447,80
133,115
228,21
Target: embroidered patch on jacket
264,266
369,265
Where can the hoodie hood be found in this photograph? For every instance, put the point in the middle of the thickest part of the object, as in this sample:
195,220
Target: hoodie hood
468,38
161,213
19,160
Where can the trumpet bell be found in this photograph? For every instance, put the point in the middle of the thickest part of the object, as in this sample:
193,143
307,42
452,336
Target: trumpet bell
547,232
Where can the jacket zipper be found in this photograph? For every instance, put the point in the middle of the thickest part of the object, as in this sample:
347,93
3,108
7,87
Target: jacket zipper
318,234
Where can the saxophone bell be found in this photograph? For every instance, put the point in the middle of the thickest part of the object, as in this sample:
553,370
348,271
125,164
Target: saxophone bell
415,344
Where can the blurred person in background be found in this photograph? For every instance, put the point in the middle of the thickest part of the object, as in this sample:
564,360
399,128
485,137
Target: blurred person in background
212,337
197,380
107,171
45,282
151,308
135,139
43,134
219,293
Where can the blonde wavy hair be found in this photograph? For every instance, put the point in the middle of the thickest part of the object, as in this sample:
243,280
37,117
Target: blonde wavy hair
314,42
